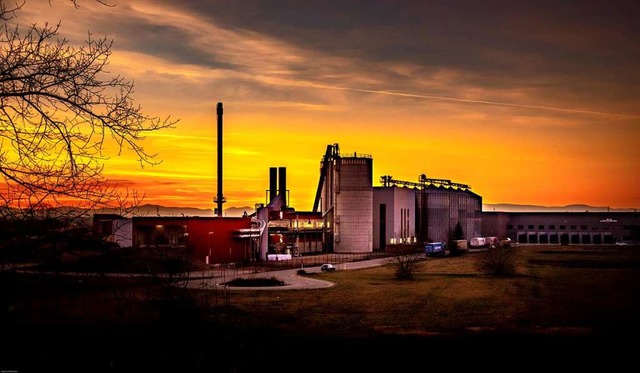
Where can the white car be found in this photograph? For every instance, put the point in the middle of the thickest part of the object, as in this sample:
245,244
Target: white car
327,268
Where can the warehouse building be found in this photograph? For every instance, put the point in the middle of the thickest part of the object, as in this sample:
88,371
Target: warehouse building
582,228
423,211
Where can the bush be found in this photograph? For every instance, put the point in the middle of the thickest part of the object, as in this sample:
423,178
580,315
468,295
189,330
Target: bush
255,282
497,261
302,272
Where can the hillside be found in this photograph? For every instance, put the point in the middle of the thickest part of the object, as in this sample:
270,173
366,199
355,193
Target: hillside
509,207
157,210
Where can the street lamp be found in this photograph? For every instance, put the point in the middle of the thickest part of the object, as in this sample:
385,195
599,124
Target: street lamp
209,256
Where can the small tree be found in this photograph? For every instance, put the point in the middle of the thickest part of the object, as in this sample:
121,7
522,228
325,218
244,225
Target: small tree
455,234
405,255
500,260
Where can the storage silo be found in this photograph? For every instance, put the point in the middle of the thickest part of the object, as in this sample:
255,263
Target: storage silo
345,198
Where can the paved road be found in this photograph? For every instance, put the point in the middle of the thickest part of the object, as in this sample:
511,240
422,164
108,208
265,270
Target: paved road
214,278
292,280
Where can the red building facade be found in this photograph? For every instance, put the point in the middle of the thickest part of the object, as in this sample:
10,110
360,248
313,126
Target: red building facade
207,238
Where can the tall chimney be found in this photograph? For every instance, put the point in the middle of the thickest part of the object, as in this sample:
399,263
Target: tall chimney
219,198
282,184
273,183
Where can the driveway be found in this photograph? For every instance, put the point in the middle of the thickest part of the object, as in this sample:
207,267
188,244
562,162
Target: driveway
292,280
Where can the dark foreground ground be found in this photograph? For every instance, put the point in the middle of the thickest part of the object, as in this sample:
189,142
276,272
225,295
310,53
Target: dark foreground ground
202,348
568,308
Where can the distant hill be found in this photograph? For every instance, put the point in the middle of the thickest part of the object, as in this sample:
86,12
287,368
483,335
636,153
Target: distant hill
509,207
157,210
238,211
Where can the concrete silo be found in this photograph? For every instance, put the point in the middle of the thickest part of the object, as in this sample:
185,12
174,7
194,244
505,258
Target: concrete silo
345,197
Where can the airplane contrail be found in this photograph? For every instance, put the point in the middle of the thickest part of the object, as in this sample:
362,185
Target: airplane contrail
481,102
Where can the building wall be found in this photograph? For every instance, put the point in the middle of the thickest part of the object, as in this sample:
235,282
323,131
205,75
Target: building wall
399,220
113,228
122,232
225,247
353,201
494,224
446,207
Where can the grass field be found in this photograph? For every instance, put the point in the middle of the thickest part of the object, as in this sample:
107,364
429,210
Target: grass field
578,306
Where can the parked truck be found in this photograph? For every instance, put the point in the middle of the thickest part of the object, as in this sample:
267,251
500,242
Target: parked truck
483,242
435,249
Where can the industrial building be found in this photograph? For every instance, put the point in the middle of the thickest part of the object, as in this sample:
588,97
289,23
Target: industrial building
361,218
207,239
350,215
584,228
289,232
423,211
345,199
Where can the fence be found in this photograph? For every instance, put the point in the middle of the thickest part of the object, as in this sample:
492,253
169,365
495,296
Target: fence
298,262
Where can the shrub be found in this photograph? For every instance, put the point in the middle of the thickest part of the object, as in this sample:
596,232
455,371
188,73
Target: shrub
497,261
255,282
302,272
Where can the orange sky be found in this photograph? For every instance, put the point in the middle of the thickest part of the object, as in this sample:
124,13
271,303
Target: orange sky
536,111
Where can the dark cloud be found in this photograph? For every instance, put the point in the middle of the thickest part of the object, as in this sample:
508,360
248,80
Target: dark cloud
161,40
509,43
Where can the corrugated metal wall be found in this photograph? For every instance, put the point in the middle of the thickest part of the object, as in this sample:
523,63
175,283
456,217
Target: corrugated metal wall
446,207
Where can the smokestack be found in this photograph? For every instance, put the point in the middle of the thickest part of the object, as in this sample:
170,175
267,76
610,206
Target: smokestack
219,198
273,183
282,184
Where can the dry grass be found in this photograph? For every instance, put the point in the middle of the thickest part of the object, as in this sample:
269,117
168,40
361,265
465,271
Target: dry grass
449,296
566,306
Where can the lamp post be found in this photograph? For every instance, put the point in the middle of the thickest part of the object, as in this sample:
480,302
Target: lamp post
209,256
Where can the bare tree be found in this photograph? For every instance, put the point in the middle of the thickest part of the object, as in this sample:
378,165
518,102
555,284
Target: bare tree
406,255
501,260
59,107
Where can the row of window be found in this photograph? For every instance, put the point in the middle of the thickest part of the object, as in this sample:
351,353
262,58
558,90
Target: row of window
583,227
565,238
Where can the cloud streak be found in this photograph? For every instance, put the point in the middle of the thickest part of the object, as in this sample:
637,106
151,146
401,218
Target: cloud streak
417,84
482,102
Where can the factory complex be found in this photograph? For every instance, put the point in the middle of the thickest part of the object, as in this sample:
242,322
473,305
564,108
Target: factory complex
350,215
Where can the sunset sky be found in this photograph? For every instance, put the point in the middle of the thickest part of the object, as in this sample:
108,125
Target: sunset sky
529,102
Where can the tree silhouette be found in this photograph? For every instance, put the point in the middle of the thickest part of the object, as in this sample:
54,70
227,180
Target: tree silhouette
59,108
455,234
458,233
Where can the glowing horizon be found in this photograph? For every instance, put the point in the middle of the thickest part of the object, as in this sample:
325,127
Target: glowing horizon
536,115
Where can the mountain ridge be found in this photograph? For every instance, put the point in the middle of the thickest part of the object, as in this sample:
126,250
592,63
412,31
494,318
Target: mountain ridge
576,207
160,210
